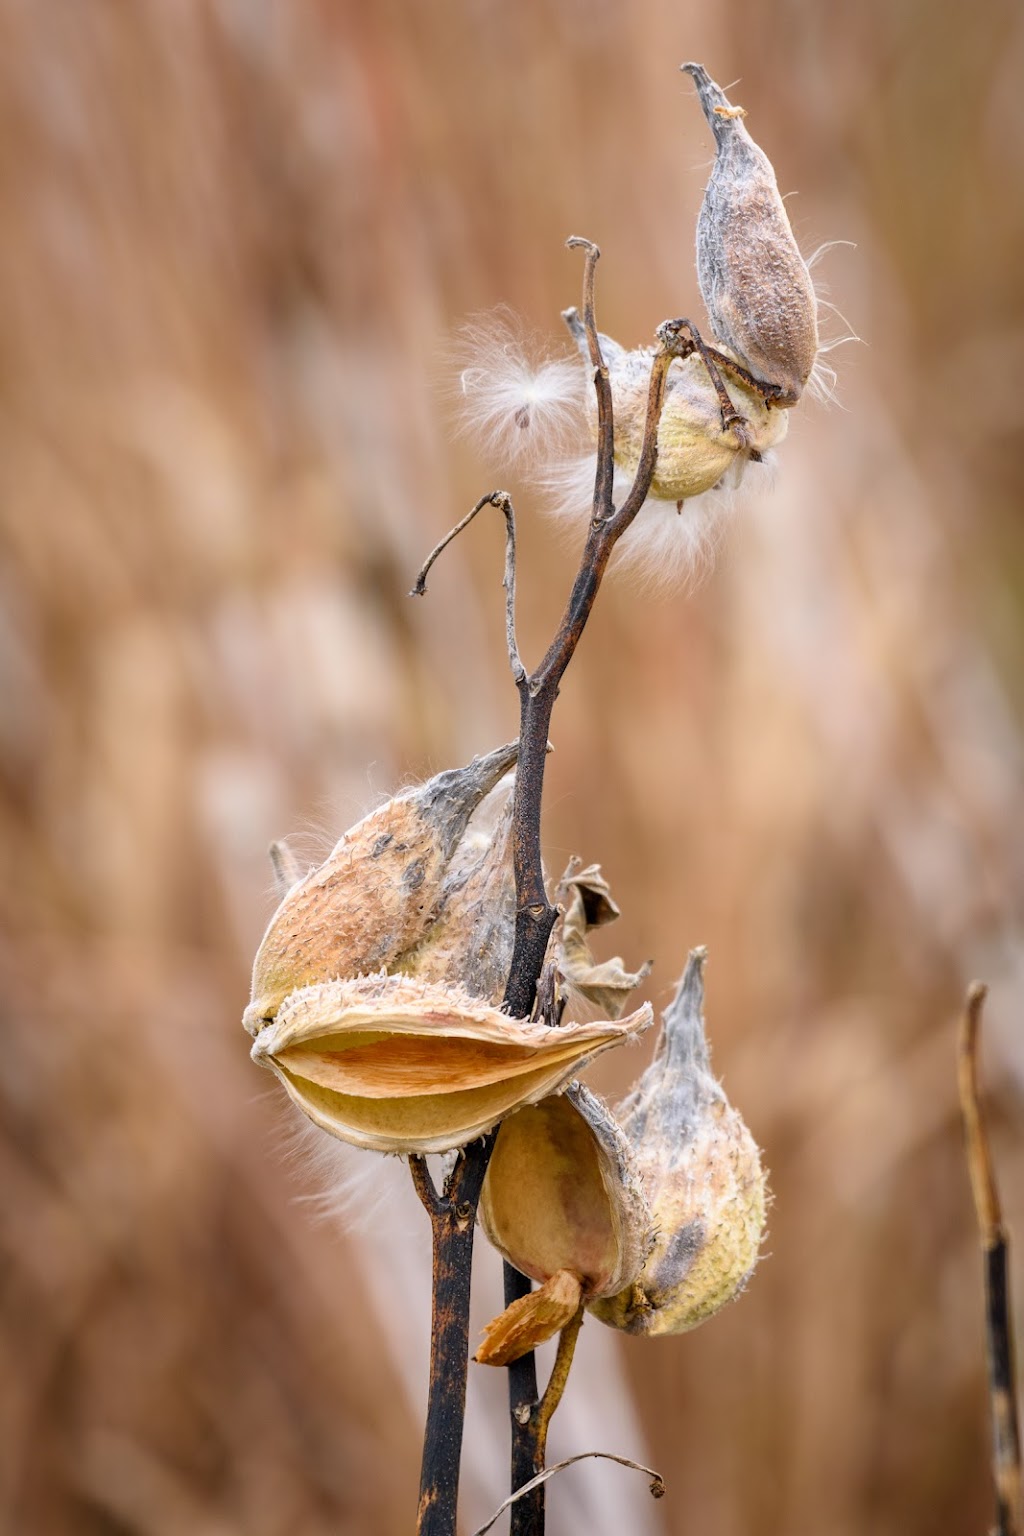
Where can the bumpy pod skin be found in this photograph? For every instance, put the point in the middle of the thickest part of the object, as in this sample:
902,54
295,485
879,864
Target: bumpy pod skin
396,1065
755,284
470,940
695,452
703,1176
374,897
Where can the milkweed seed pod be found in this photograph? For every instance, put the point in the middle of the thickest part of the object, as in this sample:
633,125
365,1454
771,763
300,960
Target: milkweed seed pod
754,282
394,1064
564,1203
469,942
702,1173
695,452
374,896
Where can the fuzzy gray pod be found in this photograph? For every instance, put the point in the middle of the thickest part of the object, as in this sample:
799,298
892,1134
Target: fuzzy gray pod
702,1172
754,282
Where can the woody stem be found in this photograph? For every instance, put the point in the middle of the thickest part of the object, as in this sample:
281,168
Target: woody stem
453,1212
535,915
452,1220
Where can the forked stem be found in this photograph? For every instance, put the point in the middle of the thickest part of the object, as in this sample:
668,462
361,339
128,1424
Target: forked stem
452,1214
452,1220
503,501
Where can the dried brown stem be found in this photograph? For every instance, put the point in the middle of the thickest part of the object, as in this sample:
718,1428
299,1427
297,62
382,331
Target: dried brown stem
452,1220
503,501
1002,1374
556,1385
602,384
535,915
771,394
452,1214
657,1482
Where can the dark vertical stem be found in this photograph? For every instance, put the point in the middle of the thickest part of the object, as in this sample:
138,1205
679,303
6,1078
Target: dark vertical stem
1002,1386
527,1516
452,1219
999,1349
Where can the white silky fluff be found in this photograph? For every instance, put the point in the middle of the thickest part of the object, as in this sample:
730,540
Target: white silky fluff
527,407
822,384
350,1186
667,546
521,404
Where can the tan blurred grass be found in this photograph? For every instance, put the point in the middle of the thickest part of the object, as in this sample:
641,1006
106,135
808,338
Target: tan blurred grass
235,238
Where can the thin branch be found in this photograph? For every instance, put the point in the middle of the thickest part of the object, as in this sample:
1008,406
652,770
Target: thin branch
1002,1374
657,1481
602,385
979,1156
425,1187
771,394
556,1384
503,501
711,357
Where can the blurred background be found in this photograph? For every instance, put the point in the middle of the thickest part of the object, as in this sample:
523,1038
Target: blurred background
236,240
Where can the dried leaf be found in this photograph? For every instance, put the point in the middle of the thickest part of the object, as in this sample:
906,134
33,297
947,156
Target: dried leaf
599,905
531,1320
588,903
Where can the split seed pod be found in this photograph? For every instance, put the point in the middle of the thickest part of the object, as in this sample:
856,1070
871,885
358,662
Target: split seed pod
695,451
374,897
563,1202
469,943
702,1173
399,1065
755,284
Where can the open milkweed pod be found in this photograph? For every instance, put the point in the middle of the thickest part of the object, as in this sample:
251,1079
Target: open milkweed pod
376,893
755,284
563,1202
702,1172
470,941
398,1065
695,452
587,902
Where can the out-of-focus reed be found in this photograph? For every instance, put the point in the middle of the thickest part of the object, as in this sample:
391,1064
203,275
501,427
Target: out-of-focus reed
236,239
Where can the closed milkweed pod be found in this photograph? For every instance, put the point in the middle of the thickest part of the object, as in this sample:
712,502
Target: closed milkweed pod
695,451
754,282
702,1172
393,1064
376,893
563,1202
